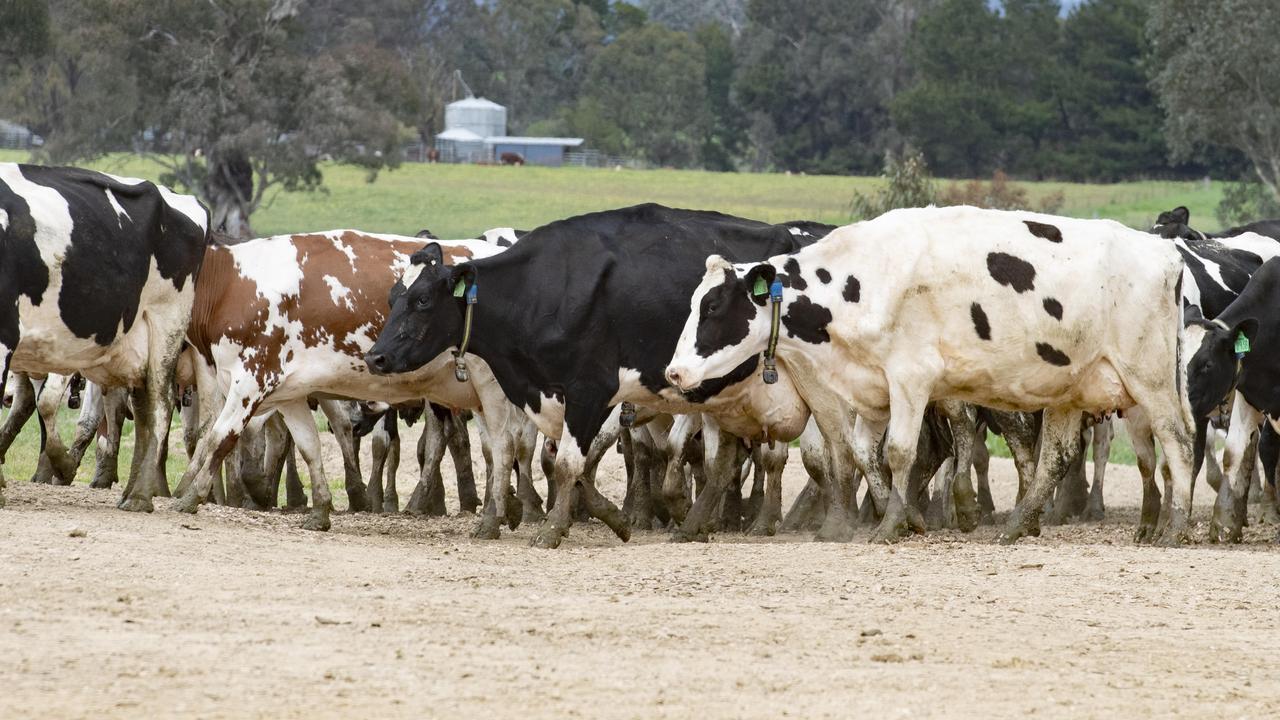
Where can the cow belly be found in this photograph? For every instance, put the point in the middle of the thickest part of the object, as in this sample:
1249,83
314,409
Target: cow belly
1097,388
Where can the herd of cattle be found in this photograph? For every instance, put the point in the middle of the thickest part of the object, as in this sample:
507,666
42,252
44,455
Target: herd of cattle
700,344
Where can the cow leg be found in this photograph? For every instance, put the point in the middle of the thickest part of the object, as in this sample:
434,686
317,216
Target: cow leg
773,460
673,481
1059,443
152,411
1269,454
596,504
498,427
106,471
91,412
24,405
302,426
276,441
568,467
379,449
756,500
250,463
458,437
428,497
868,451
807,511
340,426
1237,468
1212,468
391,495
908,402
1095,510
526,448
982,472
721,466
242,401
294,493
731,510
1144,450
963,418
636,504
49,394
627,448
1072,492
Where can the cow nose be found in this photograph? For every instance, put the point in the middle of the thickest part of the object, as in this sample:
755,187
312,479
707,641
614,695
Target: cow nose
377,362
675,377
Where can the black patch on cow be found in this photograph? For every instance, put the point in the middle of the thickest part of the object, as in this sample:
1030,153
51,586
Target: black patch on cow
1009,270
807,321
503,242
852,290
783,278
823,275
1041,230
1052,355
980,323
793,268
724,317
1053,307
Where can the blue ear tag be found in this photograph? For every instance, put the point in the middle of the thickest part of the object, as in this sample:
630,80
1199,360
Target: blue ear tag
471,293
760,288
1242,345
460,288
775,291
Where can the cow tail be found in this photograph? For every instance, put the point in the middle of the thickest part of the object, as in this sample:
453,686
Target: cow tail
1198,446
44,433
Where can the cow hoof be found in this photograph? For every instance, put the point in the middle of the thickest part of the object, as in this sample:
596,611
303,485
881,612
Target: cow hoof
967,516
1145,534
1094,512
533,515
391,506
1172,540
1009,536
487,529
317,520
548,537
357,498
1225,534
764,527
136,504
250,504
514,514
679,535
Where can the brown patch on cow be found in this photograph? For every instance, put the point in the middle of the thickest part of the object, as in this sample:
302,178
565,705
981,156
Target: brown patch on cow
228,306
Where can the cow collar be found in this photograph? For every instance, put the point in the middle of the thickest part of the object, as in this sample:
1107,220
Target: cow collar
459,355
770,374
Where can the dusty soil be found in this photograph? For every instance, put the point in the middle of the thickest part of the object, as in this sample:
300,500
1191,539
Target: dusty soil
237,614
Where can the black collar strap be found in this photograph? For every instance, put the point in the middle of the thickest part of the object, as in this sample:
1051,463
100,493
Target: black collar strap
459,361
770,373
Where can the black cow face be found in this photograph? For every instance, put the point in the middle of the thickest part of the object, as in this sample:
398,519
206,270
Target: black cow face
1211,372
426,317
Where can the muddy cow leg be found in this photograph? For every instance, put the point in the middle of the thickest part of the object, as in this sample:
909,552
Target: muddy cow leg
679,446
732,508
91,413
1238,459
302,426
571,467
379,447
638,456
107,455
754,502
1072,493
773,459
1095,510
152,412
982,473
276,446
1059,444
1269,456
721,466
1144,450
340,426
459,439
24,406
428,497
963,419
526,447
807,509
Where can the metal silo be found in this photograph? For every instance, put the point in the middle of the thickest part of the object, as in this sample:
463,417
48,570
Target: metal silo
482,117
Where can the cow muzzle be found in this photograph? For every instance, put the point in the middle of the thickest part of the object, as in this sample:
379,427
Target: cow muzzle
681,378
377,363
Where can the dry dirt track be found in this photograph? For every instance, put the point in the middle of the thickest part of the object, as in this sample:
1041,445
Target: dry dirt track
238,614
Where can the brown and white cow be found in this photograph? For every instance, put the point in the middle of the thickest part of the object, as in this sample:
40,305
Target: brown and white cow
280,319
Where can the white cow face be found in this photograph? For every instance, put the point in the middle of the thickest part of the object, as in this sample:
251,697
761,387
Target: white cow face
727,325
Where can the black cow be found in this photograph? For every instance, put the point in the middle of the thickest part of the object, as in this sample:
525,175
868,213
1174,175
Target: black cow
99,273
1221,266
579,317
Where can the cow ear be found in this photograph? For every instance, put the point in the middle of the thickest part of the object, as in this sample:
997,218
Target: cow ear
1248,327
1191,315
426,234
461,278
758,279
430,256
717,262
1181,215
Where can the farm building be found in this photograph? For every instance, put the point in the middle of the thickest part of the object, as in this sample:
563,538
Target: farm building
475,131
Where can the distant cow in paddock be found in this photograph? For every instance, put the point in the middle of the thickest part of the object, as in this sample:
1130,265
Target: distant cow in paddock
97,276
511,158
280,319
1012,310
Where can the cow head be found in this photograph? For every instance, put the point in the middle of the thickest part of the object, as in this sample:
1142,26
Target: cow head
426,314
728,323
1175,223
1213,368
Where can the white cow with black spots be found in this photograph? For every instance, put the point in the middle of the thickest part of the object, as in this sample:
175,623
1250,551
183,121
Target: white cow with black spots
1011,310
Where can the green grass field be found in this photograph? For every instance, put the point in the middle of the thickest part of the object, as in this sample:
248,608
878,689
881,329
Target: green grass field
461,201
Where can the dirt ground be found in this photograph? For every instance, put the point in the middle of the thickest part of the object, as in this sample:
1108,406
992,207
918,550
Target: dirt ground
237,614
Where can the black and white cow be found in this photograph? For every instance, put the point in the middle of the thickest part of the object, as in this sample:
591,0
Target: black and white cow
1011,310
1220,267
579,317
97,276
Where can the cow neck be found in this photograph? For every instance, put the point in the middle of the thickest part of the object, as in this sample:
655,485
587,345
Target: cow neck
492,331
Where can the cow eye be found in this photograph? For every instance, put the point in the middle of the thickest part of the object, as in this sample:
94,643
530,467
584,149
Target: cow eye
423,301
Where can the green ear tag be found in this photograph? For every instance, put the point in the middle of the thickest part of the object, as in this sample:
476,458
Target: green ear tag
761,288
460,289
1242,344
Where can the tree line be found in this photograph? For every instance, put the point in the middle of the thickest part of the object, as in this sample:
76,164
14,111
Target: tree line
238,96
